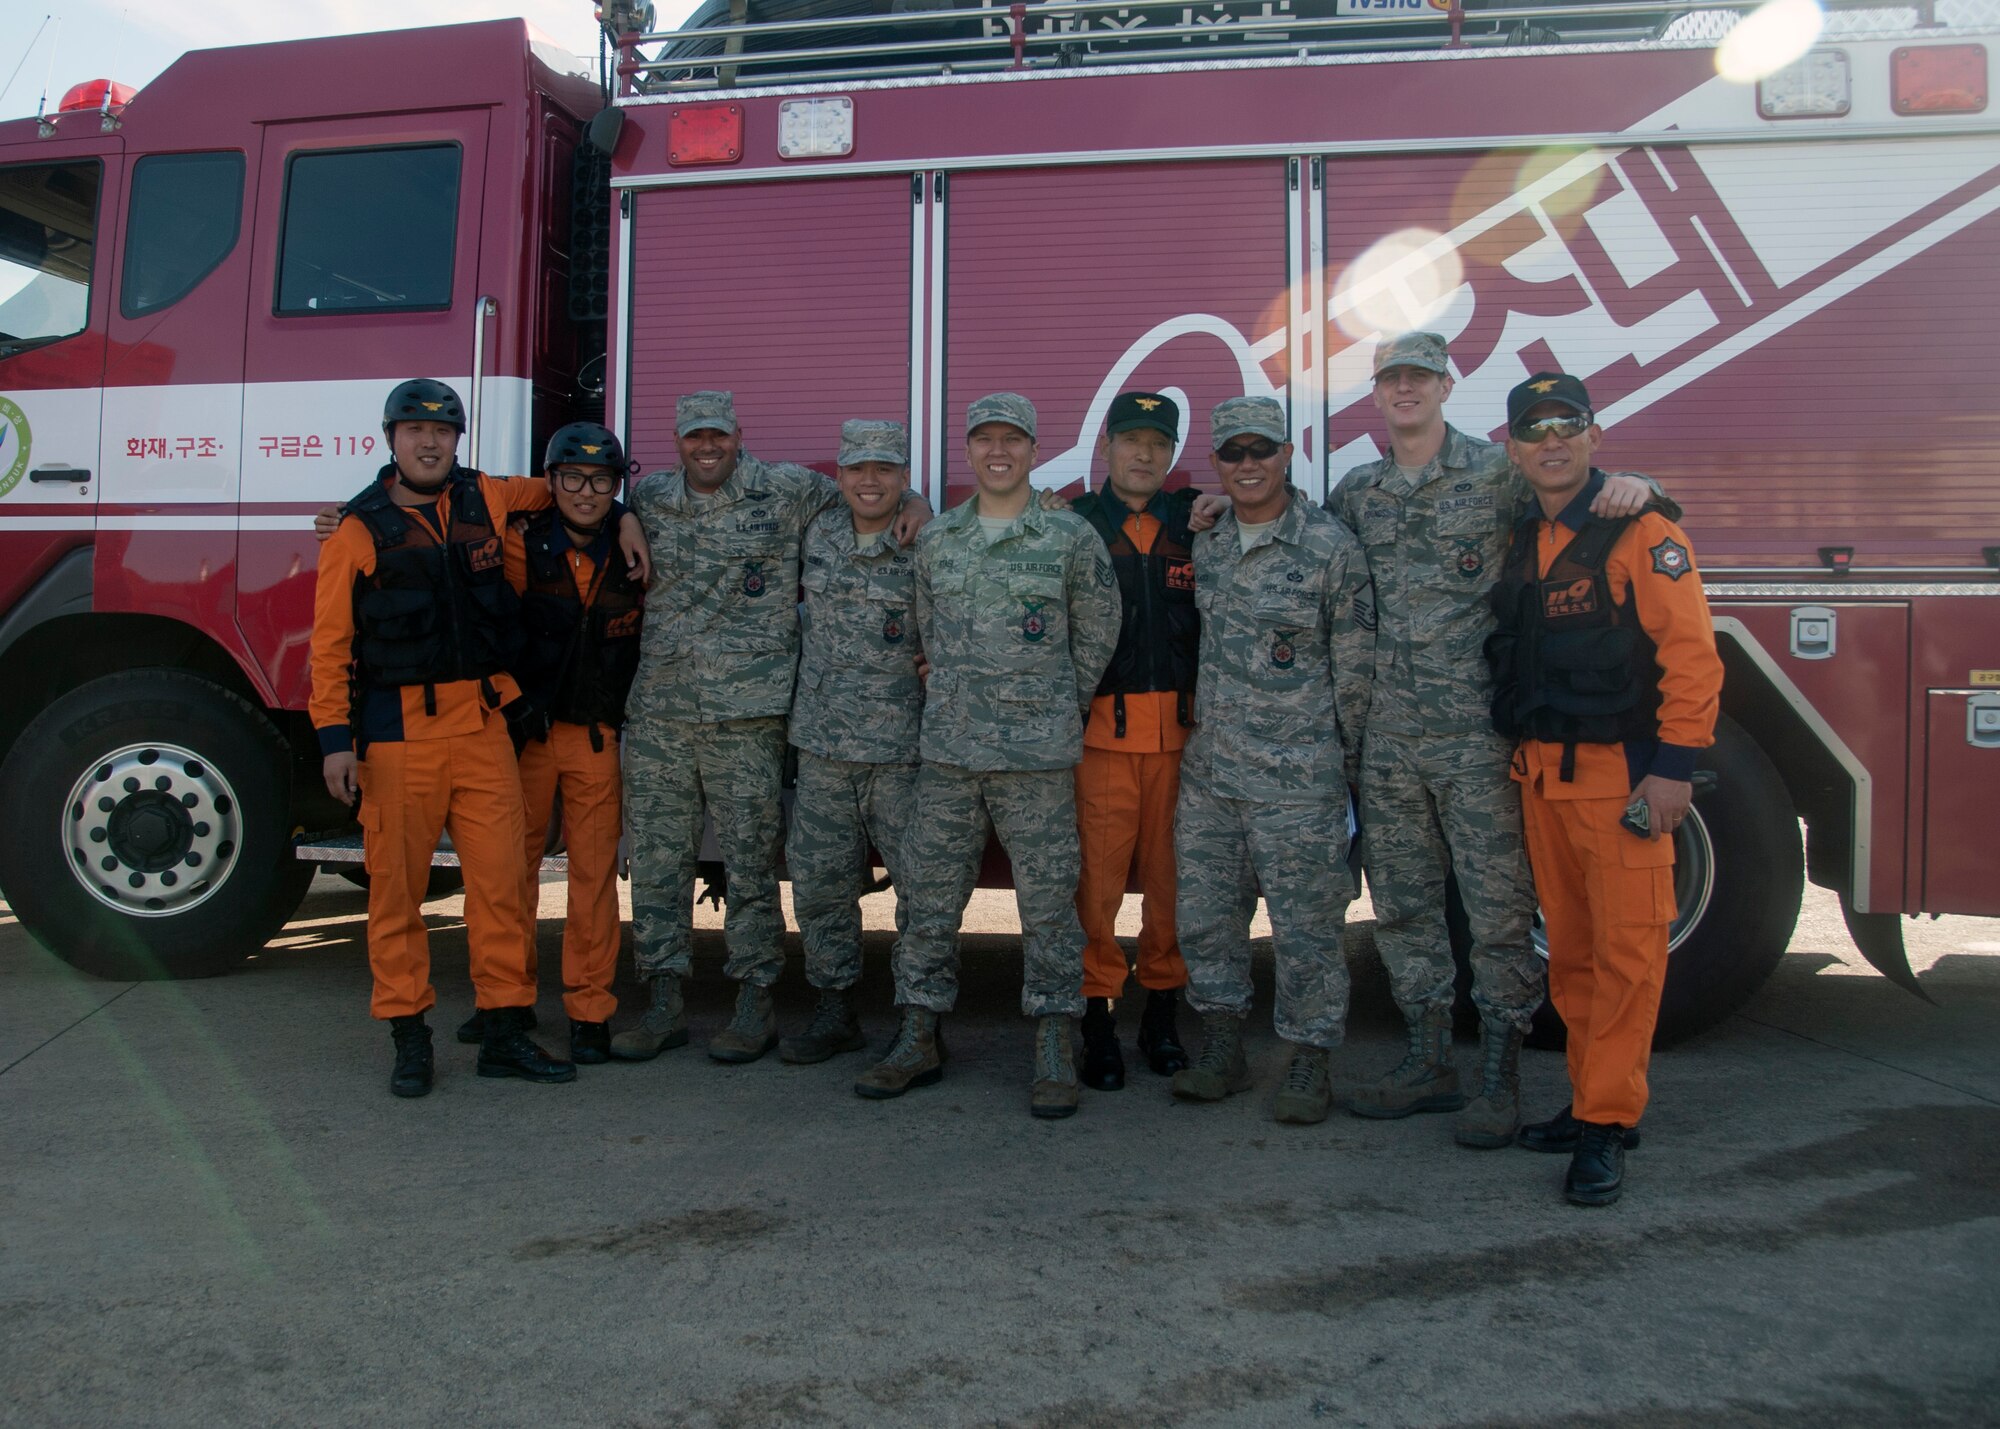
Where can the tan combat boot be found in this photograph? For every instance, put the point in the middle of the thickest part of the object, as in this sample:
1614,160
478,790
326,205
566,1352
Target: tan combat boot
752,1032
1306,1094
1425,1080
1056,1082
914,1059
834,1029
662,1025
1222,1070
1492,1118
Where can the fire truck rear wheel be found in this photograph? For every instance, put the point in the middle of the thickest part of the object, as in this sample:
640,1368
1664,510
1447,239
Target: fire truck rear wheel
147,827
1739,871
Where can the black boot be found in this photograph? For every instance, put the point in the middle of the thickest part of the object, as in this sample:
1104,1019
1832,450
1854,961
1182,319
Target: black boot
1159,1038
1101,1064
472,1031
411,1076
508,1051
589,1042
1561,1132
1597,1170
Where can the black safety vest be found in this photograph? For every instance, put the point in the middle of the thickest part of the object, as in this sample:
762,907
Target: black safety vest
1570,665
1160,635
579,658
433,612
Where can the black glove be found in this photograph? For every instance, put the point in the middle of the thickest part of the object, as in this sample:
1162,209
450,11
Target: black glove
526,720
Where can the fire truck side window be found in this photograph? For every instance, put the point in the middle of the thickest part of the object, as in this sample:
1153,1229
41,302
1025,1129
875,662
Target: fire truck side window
185,214
368,230
48,236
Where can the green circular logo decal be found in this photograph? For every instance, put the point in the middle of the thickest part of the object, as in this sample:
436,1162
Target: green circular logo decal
14,442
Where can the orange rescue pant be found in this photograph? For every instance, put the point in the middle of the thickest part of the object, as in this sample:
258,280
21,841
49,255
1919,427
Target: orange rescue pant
1607,897
1125,808
591,815
411,791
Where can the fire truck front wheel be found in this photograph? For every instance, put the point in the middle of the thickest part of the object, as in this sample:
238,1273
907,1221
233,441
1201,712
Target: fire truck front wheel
147,827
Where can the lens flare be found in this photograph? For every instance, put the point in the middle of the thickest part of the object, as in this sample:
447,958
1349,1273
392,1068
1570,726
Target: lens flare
1767,39
1404,281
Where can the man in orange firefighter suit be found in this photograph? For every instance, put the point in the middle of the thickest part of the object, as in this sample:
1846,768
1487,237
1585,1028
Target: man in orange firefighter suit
1605,669
1129,780
580,612
414,627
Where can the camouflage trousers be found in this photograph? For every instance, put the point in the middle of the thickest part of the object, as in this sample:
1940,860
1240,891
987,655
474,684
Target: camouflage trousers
1227,849
1431,806
1034,812
838,809
674,770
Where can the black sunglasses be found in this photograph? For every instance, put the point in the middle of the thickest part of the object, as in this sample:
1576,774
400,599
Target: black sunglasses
1574,425
1263,449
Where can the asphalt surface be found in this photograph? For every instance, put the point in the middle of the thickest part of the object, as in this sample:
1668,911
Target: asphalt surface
214,1213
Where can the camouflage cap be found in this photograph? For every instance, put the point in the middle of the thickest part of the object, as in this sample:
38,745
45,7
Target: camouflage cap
1009,407
1246,416
705,411
1412,349
874,441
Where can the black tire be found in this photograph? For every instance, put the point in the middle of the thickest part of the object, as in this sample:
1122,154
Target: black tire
185,787
444,881
1739,872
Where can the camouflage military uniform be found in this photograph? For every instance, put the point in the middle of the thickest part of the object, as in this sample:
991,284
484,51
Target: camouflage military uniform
717,658
855,722
1285,656
1018,632
1436,796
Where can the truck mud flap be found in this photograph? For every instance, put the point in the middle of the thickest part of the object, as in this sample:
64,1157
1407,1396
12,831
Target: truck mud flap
1880,938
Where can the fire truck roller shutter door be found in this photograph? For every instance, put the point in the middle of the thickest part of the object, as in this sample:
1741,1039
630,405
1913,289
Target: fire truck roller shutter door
148,827
1739,872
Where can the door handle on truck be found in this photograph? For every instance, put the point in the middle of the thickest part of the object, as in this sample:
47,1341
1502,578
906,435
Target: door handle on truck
58,473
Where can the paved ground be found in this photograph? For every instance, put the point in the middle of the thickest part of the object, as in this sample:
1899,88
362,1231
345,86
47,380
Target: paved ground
214,1213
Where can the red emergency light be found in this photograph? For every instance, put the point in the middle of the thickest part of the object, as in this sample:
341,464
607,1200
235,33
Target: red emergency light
704,134
1938,79
91,95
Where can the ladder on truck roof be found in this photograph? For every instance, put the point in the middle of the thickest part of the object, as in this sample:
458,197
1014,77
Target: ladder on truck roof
839,41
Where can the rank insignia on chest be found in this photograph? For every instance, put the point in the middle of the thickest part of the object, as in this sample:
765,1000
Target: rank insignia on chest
1034,625
1670,559
1470,560
753,578
892,627
1283,653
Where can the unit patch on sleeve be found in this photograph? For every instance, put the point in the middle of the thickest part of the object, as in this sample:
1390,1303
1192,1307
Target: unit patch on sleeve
1670,559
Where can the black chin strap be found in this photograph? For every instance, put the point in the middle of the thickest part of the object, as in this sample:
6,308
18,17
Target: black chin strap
589,533
404,478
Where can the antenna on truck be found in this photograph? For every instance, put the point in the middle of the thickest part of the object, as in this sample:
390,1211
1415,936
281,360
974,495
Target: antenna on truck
43,124
24,59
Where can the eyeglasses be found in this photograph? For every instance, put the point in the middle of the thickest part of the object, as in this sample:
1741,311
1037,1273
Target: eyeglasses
1573,425
572,480
1263,449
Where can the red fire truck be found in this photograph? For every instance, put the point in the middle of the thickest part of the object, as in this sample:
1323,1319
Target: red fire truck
1782,290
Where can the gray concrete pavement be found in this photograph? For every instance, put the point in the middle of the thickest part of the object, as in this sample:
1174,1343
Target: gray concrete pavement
215,1213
